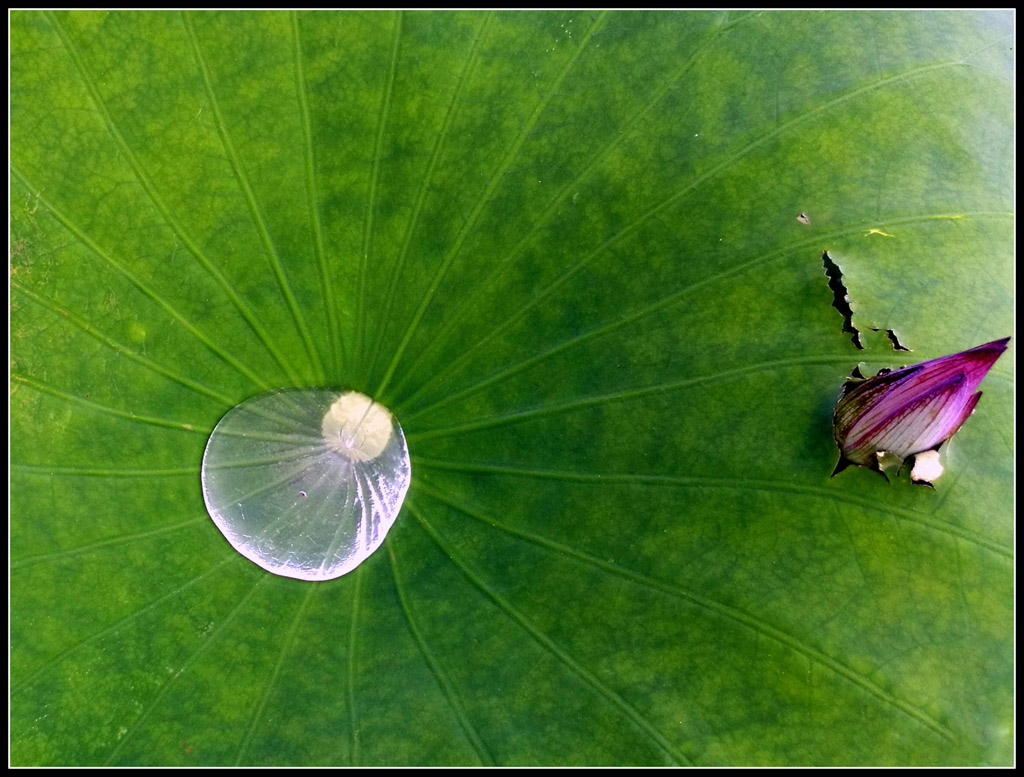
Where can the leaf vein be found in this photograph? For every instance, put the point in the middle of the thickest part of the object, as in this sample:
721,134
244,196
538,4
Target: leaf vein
63,655
117,347
124,539
250,198
451,694
421,195
268,688
719,608
484,198
383,112
591,679
142,287
545,215
150,189
335,335
701,481
756,262
198,653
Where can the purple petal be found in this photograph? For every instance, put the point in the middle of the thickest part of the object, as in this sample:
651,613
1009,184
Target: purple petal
922,423
912,409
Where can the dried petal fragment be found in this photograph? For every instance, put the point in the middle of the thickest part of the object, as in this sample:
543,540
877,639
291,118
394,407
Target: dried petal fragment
910,410
926,468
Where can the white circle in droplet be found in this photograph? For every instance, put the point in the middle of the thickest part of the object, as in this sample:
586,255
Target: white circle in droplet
306,483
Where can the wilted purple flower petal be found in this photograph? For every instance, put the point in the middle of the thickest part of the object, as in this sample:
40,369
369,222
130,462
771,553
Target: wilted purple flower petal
912,409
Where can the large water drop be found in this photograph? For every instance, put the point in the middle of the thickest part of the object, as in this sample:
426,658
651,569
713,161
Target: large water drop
306,483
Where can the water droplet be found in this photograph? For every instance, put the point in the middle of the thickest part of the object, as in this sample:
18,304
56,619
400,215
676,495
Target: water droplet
306,483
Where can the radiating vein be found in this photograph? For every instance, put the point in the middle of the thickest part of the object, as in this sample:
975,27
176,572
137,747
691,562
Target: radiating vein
165,212
469,301
63,655
250,199
1001,76
198,653
48,471
268,688
629,229
421,195
334,333
89,243
350,677
123,539
120,348
757,262
591,679
371,199
623,395
96,406
736,615
702,481
484,198
451,694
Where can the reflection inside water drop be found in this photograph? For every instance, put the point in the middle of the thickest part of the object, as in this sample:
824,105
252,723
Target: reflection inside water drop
306,483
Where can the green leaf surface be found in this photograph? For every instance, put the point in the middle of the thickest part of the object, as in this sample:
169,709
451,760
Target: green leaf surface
563,248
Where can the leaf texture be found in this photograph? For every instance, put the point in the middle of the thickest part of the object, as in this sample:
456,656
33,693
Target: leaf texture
563,248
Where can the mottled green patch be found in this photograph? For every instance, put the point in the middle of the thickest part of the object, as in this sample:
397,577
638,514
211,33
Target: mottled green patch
563,248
